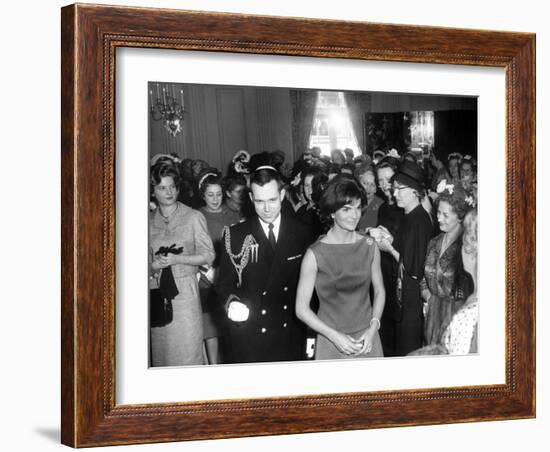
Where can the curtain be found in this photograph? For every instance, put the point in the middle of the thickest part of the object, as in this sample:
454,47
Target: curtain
303,104
358,105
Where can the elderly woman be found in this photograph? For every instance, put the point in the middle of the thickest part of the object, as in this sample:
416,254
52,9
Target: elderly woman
178,244
408,250
341,266
369,217
389,217
441,290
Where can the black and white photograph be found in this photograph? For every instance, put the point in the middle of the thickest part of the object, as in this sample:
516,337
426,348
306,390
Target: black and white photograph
292,224
160,141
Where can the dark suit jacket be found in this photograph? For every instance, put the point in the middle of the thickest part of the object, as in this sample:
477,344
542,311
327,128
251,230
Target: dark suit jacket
272,331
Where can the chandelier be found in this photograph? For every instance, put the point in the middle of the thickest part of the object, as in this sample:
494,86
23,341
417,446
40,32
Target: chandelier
165,108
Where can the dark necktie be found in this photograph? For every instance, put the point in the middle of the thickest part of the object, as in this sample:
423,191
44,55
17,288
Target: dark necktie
271,236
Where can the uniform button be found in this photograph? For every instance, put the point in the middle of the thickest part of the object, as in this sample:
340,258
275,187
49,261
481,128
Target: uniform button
285,307
264,293
285,288
284,325
264,312
263,330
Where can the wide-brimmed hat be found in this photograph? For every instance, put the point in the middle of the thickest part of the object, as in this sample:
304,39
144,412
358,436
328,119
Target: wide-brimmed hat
410,174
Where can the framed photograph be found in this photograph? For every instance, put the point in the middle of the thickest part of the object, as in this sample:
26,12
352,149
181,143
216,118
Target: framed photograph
144,90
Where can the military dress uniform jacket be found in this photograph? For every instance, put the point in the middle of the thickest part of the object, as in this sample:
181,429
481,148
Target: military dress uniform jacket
272,331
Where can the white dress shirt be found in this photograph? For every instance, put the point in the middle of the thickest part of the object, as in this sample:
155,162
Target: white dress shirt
276,227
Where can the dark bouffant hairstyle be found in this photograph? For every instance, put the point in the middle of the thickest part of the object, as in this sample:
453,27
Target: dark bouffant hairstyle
340,191
164,169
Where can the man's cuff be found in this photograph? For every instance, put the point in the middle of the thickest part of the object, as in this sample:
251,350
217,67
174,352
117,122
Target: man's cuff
230,298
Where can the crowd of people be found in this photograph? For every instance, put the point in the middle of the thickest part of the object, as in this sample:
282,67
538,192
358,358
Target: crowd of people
364,256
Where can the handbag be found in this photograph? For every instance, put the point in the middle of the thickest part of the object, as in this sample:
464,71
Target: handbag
160,309
160,300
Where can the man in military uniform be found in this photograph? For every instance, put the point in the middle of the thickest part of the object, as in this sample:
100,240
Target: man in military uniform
259,269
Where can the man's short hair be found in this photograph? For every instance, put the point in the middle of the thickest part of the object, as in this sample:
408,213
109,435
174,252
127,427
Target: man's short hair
265,176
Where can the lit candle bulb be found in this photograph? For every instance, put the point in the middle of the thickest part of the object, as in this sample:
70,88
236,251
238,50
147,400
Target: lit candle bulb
181,94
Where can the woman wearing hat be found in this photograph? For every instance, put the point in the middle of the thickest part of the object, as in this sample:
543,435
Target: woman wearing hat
408,249
389,217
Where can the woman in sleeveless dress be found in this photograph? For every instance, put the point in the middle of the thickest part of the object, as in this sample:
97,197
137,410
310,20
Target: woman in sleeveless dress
341,266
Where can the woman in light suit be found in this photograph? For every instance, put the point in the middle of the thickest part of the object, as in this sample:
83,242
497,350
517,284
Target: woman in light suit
178,244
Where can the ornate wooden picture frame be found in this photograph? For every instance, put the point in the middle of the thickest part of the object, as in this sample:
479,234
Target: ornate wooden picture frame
90,38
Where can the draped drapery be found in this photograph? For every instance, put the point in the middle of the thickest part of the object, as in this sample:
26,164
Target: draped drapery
303,103
358,105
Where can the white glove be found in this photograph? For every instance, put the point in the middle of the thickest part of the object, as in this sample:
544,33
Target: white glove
237,311
381,233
